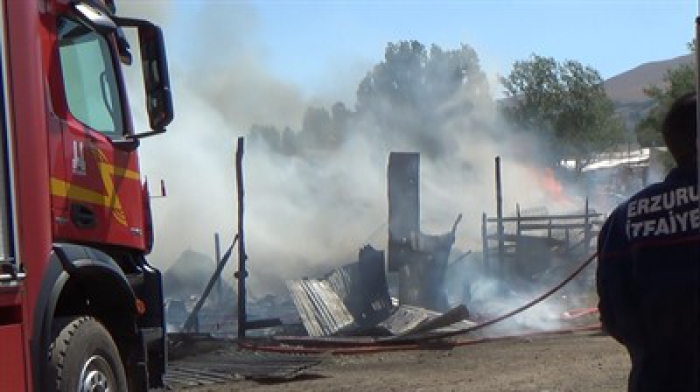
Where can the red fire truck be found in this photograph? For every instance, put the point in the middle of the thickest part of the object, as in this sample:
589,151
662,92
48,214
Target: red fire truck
80,307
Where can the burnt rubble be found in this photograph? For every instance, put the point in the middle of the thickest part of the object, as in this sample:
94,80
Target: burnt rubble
404,291
354,301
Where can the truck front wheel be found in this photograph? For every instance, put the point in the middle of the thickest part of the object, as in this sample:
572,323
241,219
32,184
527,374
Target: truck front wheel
83,357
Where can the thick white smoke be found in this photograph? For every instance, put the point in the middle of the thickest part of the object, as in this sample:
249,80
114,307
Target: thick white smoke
302,216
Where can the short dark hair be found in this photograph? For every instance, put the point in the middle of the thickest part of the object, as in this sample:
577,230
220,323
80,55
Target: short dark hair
680,130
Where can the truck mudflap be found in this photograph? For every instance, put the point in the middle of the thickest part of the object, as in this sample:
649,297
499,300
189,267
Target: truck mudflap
152,324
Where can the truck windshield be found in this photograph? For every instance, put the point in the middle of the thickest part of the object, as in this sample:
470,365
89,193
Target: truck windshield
89,78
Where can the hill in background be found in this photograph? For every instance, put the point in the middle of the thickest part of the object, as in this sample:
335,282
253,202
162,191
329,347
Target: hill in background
627,89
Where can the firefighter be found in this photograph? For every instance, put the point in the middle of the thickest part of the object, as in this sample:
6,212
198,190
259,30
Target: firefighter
648,276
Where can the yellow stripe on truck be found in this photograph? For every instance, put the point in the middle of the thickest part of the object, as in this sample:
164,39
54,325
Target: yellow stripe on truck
64,189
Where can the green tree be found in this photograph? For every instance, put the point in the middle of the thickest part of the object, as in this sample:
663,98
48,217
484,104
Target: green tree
676,82
408,94
267,133
565,104
316,128
284,142
322,129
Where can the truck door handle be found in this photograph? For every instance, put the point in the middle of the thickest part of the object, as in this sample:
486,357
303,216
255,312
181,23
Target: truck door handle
82,216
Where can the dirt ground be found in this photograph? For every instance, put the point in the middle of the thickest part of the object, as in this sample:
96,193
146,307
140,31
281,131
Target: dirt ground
577,362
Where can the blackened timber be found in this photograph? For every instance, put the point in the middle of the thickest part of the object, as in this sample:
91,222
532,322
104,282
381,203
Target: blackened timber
499,215
217,256
422,274
546,226
263,323
363,287
191,321
374,286
242,273
587,229
529,218
419,259
485,242
404,205
518,233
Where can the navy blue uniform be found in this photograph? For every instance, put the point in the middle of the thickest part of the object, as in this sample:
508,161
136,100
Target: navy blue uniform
648,282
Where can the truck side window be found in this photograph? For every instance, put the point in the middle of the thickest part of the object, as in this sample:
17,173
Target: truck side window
89,78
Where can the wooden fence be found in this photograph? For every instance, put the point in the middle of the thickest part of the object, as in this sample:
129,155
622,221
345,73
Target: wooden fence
524,246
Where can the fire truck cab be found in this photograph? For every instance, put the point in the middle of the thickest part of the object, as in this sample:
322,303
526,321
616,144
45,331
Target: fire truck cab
80,306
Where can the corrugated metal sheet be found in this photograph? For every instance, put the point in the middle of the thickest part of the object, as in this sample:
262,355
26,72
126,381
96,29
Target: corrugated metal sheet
354,299
405,318
348,299
321,309
408,320
341,281
232,364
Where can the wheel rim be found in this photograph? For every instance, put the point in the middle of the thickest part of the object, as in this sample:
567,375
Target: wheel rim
97,376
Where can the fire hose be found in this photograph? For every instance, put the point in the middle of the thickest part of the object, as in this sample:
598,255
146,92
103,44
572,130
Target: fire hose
432,340
528,305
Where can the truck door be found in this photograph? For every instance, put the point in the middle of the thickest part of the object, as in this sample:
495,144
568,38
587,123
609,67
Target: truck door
97,191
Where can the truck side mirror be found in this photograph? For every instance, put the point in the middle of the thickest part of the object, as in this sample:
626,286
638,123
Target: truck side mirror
95,16
159,104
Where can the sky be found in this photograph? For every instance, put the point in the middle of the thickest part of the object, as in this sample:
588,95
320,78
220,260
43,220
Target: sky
317,44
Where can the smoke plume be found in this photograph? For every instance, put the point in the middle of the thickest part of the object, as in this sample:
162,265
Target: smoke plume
303,214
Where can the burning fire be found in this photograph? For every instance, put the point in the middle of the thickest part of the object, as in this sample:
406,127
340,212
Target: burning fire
546,180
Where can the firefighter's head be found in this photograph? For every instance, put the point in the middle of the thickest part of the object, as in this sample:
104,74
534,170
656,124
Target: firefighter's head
680,130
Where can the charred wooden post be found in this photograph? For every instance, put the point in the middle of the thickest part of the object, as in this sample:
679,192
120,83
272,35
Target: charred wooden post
404,205
192,321
419,259
217,255
375,289
587,228
499,217
518,233
242,273
485,242
404,224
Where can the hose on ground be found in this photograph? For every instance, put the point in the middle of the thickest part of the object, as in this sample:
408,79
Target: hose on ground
528,305
373,348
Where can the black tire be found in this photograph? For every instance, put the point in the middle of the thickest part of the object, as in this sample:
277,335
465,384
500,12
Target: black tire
83,357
